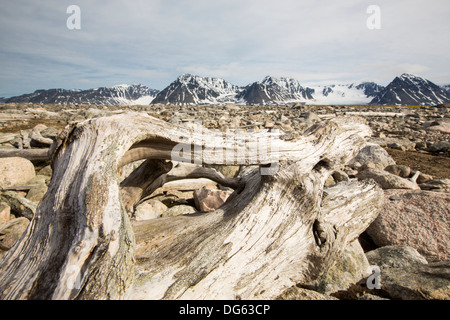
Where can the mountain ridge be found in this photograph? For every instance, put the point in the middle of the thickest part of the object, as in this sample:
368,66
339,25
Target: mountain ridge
411,89
190,89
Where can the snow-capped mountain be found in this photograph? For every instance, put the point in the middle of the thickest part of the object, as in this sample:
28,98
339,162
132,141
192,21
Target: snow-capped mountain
191,89
119,94
409,89
353,93
274,91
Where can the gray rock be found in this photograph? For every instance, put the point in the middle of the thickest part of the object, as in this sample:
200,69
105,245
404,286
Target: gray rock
441,146
349,269
373,153
395,256
20,206
417,281
36,193
11,231
399,170
438,185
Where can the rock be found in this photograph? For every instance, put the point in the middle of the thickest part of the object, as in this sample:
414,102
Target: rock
269,124
151,209
375,154
397,146
209,199
7,137
419,220
395,256
38,180
441,146
349,269
51,133
311,116
179,210
417,281
369,296
340,176
226,171
40,127
422,177
11,231
15,171
442,128
36,193
20,206
5,212
297,293
367,165
329,182
439,185
387,180
403,144
399,170
45,171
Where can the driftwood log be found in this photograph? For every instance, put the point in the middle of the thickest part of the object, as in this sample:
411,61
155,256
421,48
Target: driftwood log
280,227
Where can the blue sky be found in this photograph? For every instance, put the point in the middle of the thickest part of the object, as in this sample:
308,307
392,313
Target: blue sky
152,42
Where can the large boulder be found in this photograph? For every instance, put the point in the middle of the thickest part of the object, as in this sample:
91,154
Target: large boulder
417,281
349,269
395,256
15,171
406,275
373,153
11,231
418,219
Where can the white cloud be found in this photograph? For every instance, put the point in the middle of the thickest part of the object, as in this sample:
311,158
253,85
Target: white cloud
239,40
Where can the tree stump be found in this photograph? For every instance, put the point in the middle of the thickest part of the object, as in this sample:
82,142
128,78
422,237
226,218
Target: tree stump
279,227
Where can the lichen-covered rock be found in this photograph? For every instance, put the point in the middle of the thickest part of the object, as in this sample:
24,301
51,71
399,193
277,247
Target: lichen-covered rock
350,268
395,256
414,218
15,171
418,281
11,231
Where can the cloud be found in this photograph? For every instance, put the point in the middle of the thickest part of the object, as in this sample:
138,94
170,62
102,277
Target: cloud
152,42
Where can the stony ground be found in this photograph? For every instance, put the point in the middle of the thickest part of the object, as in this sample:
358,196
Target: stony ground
408,156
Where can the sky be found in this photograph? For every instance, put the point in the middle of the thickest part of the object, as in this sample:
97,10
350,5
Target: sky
153,42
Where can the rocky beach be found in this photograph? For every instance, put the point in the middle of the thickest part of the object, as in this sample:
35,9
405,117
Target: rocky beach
408,156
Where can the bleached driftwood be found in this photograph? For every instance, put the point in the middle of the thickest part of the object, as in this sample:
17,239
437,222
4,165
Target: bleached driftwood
275,230
30,154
